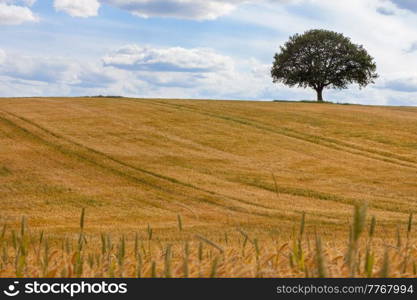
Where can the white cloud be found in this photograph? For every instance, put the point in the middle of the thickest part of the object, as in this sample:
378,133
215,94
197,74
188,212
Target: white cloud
2,56
78,8
181,9
406,4
34,70
11,14
191,73
176,59
19,2
185,9
41,69
404,85
188,73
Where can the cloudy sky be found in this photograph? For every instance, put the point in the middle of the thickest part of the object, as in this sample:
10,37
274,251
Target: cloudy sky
220,49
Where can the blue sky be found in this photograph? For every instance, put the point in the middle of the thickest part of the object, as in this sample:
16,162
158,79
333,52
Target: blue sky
195,48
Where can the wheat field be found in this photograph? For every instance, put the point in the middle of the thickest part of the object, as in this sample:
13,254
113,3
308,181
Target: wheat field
181,188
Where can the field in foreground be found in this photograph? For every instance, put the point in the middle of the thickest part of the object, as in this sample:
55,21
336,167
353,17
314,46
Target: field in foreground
231,176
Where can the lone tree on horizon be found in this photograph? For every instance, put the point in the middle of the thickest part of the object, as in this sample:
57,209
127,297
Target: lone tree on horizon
322,59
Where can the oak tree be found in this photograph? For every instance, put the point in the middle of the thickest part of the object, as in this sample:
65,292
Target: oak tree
322,59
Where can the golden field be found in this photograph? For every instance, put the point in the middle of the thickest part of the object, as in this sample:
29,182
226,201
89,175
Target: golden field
222,185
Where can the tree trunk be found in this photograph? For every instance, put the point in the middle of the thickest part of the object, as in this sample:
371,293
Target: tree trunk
320,94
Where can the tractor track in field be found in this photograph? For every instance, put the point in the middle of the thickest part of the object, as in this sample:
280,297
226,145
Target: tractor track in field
334,144
95,162
72,154
85,153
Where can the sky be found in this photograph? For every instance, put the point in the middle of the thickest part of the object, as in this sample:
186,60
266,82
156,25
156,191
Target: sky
208,49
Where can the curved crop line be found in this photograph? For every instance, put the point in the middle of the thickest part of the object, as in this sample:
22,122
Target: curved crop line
307,193
293,191
305,137
78,156
322,141
281,189
360,148
66,151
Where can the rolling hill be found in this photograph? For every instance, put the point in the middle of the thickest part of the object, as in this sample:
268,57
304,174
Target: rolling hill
218,164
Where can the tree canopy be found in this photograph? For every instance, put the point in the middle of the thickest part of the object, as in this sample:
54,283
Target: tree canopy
322,59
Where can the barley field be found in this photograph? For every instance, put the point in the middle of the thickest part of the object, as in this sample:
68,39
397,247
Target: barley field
120,187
